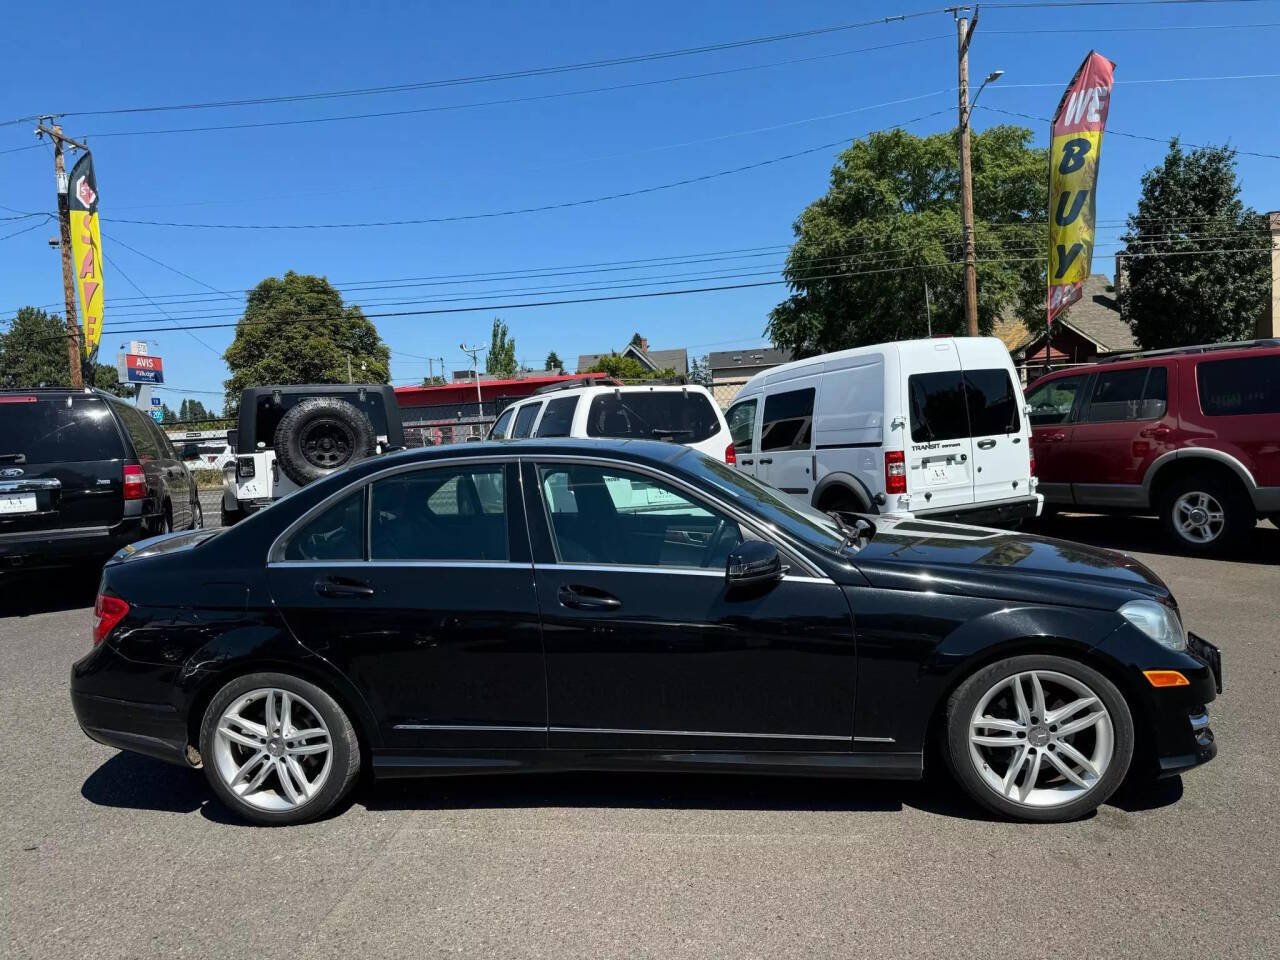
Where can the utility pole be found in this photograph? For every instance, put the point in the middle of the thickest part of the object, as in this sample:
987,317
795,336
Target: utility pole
964,33
54,133
928,312
475,369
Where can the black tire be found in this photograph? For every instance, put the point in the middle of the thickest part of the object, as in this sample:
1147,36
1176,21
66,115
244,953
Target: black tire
962,704
344,766
321,435
230,517
841,500
197,515
1238,515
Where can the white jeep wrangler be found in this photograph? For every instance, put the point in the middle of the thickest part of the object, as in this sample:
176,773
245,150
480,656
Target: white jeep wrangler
288,436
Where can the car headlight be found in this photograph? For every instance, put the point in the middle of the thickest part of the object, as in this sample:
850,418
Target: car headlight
1157,621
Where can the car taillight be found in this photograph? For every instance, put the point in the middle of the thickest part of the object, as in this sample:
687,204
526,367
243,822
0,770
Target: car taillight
1033,465
107,612
244,467
895,471
730,455
135,482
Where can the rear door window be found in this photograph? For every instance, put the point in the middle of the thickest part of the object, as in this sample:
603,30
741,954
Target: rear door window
1052,402
1240,386
788,420
72,429
557,421
524,420
993,402
336,533
685,416
742,423
937,406
440,514
1117,395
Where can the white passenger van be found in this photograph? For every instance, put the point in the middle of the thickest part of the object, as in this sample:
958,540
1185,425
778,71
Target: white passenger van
934,428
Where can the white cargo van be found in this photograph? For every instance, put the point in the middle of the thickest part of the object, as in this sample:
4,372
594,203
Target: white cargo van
933,428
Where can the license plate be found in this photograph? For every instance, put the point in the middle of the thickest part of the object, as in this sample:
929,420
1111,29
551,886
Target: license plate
1208,654
17,503
939,473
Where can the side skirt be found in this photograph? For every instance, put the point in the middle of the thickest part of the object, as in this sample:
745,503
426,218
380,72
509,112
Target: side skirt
389,764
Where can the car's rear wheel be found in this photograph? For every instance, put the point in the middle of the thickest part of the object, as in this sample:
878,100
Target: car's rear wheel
278,750
1040,738
1205,513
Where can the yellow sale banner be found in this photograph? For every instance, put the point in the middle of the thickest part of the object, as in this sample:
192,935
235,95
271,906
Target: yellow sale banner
86,251
1074,152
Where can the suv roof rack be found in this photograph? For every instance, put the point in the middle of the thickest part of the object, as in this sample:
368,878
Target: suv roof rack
576,384
1198,348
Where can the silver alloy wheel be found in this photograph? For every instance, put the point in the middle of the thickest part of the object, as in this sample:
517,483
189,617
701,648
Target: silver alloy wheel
1198,517
1041,738
272,749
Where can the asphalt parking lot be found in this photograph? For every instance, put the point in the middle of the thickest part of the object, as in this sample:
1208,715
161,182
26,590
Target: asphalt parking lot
104,854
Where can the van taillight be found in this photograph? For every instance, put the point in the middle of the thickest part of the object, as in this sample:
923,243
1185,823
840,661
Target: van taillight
107,612
730,455
1033,465
895,471
135,482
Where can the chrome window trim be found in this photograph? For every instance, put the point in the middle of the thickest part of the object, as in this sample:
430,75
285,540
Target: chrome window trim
480,727
744,518
276,550
436,564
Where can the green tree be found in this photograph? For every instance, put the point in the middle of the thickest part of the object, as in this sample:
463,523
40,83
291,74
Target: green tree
1198,260
33,353
890,223
501,359
296,329
624,367
433,381
700,370
167,415
636,341
554,362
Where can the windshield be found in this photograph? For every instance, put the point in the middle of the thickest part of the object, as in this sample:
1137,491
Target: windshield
69,429
685,416
805,523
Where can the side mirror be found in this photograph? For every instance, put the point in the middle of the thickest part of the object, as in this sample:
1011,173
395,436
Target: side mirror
233,437
753,561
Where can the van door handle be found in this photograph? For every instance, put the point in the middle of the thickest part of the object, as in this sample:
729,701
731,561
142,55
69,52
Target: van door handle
986,444
342,588
575,597
746,461
764,460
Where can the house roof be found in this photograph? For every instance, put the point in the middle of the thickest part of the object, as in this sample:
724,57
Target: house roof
677,360
752,358
1096,316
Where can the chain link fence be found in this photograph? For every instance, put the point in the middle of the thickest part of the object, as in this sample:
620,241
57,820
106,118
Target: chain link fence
724,391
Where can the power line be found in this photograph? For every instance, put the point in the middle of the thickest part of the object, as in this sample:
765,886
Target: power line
28,229
115,266
489,77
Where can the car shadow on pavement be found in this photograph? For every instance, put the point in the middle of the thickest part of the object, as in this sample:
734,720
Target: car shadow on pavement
1146,535
24,593
141,783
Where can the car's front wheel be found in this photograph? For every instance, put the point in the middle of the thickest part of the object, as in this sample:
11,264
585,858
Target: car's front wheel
1041,738
278,750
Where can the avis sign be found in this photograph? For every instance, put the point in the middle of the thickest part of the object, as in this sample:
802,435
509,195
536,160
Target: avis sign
1076,148
143,369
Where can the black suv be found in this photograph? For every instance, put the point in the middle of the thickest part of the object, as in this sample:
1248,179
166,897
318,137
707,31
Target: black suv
82,474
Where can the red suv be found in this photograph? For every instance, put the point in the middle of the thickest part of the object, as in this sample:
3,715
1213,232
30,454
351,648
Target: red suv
1192,434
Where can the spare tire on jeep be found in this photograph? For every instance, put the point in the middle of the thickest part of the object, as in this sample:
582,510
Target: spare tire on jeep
321,435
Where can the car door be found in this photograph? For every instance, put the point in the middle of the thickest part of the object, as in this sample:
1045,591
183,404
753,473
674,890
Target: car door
1123,426
647,647
1001,457
939,453
418,585
1051,407
742,429
785,457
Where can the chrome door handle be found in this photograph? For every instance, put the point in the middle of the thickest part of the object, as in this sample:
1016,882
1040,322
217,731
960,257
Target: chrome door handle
986,444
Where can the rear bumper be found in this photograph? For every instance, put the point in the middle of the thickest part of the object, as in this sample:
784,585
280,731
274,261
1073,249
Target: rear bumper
37,548
991,512
154,728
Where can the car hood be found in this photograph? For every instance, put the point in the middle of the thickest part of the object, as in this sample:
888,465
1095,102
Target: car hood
977,561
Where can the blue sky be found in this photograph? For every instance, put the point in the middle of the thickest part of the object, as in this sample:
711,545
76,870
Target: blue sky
479,159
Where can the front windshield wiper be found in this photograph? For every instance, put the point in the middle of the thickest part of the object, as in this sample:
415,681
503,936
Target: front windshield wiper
662,432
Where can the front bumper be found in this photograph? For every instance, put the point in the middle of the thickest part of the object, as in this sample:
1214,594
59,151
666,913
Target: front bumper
990,513
47,548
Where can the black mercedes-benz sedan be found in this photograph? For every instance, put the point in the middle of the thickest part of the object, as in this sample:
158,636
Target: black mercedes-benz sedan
634,605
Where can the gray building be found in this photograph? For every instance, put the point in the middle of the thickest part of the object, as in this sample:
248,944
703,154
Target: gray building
744,364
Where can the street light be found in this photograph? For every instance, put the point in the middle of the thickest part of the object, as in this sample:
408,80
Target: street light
992,77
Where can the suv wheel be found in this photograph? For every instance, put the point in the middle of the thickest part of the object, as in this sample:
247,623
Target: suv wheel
278,750
1204,513
1039,738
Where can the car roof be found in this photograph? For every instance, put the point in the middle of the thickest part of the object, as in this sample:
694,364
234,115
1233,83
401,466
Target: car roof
653,452
613,388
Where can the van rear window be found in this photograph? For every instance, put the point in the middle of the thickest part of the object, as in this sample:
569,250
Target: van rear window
951,404
68,429
679,415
